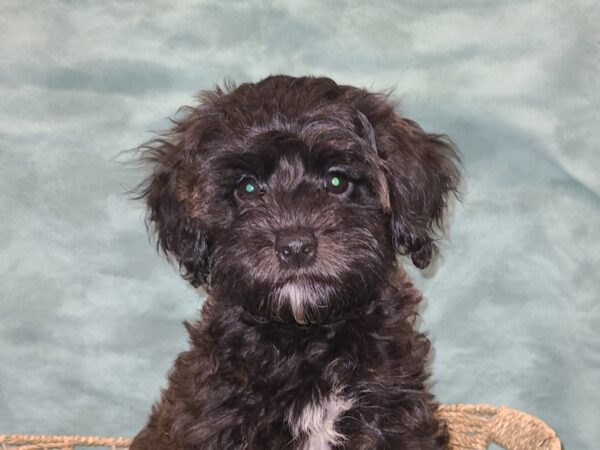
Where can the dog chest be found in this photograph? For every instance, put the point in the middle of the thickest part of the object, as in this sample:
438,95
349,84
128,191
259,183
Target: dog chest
316,422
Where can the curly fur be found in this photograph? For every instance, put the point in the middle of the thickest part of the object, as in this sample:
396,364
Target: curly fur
322,356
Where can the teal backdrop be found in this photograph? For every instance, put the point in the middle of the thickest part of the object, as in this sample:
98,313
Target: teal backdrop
90,315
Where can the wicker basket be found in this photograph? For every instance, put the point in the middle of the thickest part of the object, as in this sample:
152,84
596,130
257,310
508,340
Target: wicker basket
36,442
472,427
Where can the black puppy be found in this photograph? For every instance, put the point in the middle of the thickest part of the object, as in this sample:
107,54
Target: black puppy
289,200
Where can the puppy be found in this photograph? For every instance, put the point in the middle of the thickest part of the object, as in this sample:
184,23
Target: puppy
289,200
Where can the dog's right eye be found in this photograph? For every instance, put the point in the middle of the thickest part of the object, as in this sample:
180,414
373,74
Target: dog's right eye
248,187
337,183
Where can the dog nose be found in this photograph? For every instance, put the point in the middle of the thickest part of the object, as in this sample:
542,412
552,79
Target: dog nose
296,248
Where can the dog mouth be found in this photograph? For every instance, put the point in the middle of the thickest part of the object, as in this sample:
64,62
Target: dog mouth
289,279
304,297
303,280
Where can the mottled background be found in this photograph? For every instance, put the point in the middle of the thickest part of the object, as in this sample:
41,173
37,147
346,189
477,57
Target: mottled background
90,316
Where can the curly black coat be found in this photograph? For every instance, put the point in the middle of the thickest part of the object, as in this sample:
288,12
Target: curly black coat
289,200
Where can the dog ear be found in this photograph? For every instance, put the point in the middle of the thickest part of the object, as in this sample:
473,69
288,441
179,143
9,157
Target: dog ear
181,236
422,171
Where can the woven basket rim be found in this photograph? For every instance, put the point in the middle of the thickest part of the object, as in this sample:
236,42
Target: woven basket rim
496,424
461,418
62,440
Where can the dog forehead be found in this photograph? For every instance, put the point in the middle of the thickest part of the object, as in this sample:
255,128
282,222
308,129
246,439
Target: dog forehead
291,161
315,144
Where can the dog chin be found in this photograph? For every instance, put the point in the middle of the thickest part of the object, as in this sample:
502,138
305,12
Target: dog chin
304,299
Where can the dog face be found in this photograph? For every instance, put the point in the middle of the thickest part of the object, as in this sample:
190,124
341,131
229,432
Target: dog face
292,196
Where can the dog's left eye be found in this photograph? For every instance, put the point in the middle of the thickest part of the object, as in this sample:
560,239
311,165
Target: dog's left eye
337,183
248,187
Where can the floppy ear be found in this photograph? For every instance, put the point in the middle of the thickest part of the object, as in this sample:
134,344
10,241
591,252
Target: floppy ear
179,235
422,171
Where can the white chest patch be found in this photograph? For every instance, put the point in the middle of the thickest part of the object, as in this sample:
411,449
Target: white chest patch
317,421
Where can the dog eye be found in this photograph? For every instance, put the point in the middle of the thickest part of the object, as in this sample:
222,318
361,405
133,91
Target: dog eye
336,183
248,187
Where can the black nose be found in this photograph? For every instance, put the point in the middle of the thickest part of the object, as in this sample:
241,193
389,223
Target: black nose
296,248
